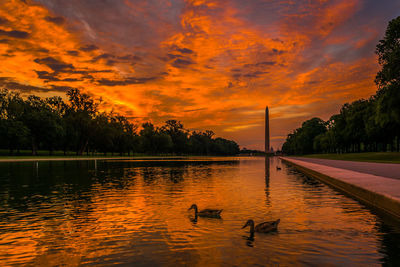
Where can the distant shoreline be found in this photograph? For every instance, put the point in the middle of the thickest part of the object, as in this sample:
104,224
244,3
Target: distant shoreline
56,158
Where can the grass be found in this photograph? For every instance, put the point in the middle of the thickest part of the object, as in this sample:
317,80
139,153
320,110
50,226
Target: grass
44,154
380,157
59,156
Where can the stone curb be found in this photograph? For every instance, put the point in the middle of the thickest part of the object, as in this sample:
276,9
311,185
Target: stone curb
381,202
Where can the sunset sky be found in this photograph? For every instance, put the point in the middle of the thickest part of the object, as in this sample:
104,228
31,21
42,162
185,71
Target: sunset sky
210,64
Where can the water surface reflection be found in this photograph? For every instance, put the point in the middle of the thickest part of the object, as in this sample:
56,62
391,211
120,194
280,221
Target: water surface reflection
135,212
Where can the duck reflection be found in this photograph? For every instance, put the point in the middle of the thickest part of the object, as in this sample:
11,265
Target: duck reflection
192,219
208,213
249,240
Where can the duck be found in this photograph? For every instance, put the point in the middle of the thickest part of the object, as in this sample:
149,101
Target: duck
278,168
210,213
264,227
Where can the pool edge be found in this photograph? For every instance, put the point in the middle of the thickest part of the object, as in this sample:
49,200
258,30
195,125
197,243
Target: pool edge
378,201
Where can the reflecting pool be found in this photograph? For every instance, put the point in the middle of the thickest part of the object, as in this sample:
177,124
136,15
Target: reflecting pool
136,213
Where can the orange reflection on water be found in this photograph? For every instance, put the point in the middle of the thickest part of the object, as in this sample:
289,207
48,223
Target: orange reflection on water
137,213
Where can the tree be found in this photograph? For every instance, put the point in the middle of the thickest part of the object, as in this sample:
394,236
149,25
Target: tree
163,142
356,115
79,116
13,133
103,139
301,141
367,125
223,146
179,135
130,138
388,51
43,123
147,137
388,80
388,112
51,123
123,133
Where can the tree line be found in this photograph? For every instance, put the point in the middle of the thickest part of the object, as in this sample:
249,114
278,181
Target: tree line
78,125
364,125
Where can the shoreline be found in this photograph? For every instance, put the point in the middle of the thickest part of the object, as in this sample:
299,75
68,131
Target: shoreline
61,158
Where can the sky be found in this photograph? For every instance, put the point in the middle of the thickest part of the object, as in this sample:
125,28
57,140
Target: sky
213,65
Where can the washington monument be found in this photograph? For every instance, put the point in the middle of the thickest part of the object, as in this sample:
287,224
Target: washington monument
267,147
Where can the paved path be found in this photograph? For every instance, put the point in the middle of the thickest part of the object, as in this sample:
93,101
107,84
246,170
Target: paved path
380,169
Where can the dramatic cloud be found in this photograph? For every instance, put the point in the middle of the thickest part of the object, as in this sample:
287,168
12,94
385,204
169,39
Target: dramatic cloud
3,21
211,64
56,20
185,50
14,34
54,64
9,83
181,63
127,81
88,48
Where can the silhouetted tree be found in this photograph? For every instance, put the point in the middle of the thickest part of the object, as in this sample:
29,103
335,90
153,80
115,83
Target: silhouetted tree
364,125
77,125
178,134
14,134
103,139
79,116
43,123
388,51
388,81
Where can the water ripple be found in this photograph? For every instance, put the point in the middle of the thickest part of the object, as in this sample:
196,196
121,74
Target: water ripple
136,213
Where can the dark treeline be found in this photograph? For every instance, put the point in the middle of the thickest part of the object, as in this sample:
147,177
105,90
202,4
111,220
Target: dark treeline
364,125
78,125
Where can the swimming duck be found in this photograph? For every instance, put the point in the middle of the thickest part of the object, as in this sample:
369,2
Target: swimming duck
278,168
264,227
206,213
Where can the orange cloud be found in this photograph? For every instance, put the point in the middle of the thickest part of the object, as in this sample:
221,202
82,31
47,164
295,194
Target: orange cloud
211,64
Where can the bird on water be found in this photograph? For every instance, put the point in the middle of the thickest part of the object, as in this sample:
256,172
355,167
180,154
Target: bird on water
206,212
264,227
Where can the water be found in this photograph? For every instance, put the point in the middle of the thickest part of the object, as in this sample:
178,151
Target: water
135,213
